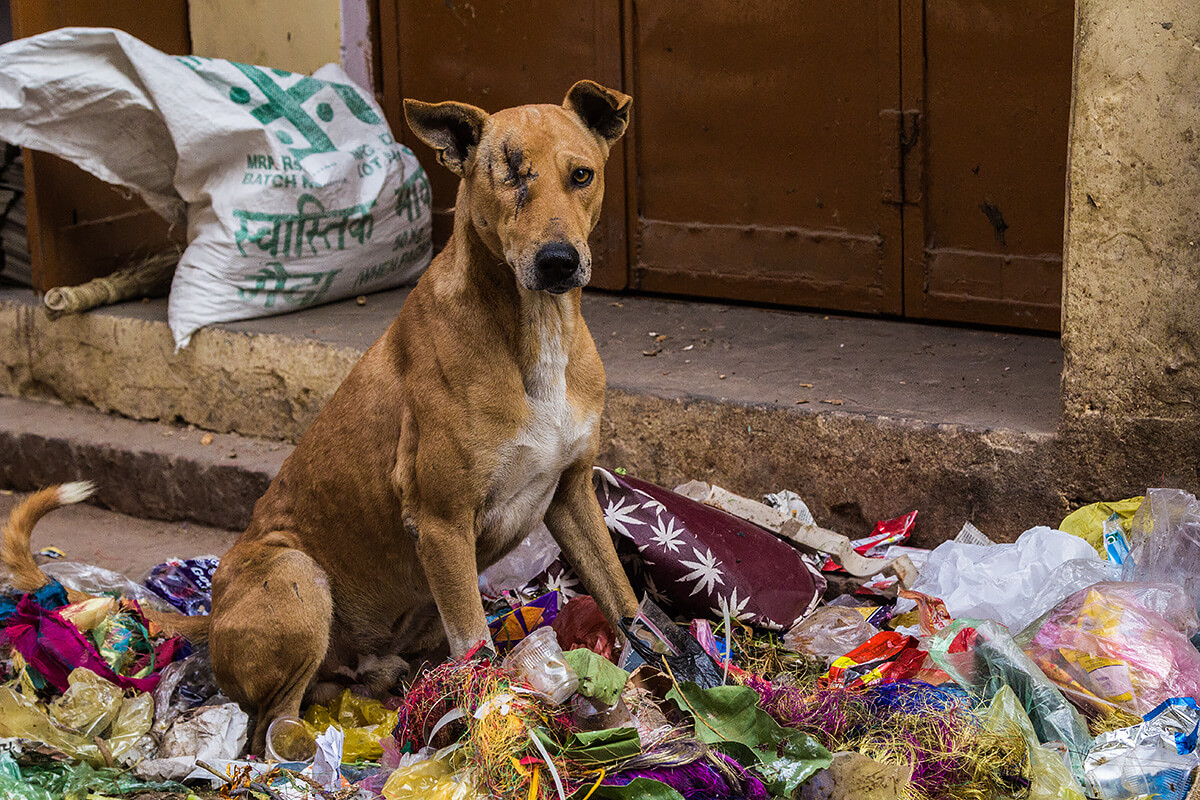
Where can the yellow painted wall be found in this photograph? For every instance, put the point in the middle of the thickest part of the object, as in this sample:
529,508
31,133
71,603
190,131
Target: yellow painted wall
296,35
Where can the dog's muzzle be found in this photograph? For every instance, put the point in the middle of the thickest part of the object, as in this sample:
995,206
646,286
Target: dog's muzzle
556,267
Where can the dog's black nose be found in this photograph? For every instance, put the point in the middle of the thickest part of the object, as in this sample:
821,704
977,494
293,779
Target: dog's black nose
556,263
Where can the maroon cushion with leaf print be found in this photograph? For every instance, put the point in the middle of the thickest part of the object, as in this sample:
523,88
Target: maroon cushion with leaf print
697,561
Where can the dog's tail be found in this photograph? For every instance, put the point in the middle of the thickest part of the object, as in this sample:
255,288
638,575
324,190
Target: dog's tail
24,575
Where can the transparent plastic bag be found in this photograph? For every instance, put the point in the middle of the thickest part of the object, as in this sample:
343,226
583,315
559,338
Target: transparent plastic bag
23,717
89,706
524,563
1066,579
1050,778
183,684
1166,535
91,579
431,779
1104,648
982,657
364,722
829,633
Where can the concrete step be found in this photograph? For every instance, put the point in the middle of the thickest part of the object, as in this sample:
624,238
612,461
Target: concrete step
866,418
143,469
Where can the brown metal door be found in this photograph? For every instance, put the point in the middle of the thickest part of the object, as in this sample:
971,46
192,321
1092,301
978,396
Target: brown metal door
983,220
496,55
763,160
902,157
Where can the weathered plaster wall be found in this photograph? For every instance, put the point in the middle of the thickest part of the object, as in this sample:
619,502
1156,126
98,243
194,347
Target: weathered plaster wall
1131,301
296,35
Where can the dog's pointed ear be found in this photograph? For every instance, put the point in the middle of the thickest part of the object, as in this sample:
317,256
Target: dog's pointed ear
452,129
604,111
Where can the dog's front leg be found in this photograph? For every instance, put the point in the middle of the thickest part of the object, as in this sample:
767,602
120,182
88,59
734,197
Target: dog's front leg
577,524
447,552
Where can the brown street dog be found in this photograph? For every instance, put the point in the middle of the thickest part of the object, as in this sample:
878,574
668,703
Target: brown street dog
473,418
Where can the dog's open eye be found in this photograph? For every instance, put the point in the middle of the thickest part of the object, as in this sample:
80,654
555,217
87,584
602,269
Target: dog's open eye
582,176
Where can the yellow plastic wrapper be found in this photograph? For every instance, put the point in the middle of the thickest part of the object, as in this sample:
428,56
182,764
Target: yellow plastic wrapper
89,706
85,711
87,614
1050,778
364,722
432,779
1088,522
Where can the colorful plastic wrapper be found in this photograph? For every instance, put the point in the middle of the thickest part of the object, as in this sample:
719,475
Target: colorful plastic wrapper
1154,757
510,629
698,561
185,583
89,709
363,720
1050,778
932,615
1173,723
1119,769
55,647
886,657
829,633
1103,647
887,532
1088,522
982,657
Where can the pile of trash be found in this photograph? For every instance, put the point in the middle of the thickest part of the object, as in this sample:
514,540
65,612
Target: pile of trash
769,658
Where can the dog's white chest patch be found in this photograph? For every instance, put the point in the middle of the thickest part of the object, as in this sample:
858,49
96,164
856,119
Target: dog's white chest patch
530,465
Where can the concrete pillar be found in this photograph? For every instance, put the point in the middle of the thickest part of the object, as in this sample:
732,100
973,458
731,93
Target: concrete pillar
1131,299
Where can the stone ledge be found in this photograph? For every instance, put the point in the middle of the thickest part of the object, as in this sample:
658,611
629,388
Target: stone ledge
669,417
143,469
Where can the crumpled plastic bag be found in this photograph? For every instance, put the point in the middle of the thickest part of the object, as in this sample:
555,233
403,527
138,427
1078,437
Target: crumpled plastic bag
88,704
364,721
1050,779
1066,579
184,684
58,781
93,580
522,564
209,733
580,623
1103,647
1166,536
431,779
829,633
999,581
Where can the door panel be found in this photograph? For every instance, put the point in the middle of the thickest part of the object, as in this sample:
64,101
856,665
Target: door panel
496,55
761,165
994,142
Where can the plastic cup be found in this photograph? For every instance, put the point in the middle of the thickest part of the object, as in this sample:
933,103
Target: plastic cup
539,661
289,741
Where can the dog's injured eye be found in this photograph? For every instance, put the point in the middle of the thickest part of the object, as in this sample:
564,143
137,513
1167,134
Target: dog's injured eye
582,176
